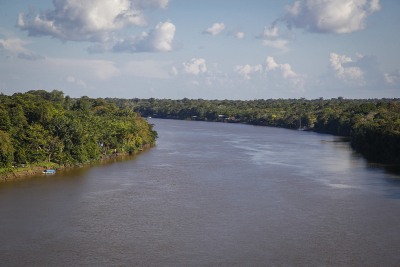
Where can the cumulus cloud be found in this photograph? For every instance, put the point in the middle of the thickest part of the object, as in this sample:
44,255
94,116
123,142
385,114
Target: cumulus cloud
280,44
159,39
271,63
162,36
285,71
270,32
246,70
92,20
13,45
392,78
239,35
152,3
16,48
272,38
346,68
274,70
215,29
361,71
330,16
195,66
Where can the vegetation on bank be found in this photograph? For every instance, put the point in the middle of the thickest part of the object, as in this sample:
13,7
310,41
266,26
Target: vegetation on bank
40,127
373,125
45,128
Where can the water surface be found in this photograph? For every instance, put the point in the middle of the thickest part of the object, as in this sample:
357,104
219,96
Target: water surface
209,194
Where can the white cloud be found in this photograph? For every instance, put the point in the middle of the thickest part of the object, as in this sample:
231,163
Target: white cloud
215,29
239,35
330,16
13,45
295,9
392,78
346,68
195,66
361,72
374,6
247,69
92,20
277,72
272,38
162,36
280,44
270,32
16,47
152,3
286,72
271,64
159,39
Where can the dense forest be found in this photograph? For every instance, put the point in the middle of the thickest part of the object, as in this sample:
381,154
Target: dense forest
372,125
40,126
46,127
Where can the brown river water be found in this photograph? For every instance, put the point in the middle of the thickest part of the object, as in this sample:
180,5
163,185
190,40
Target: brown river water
209,194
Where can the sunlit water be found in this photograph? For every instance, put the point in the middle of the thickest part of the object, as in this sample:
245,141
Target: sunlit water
209,194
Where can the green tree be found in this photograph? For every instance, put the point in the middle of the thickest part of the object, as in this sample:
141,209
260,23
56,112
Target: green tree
6,150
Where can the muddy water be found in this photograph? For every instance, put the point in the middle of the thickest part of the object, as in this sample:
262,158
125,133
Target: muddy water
209,194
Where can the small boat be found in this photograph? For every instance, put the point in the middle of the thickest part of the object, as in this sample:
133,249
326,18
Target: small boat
50,171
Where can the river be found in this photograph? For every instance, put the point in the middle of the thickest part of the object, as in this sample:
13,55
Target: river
209,194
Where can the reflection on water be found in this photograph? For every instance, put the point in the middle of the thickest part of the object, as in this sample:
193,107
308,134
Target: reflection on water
209,194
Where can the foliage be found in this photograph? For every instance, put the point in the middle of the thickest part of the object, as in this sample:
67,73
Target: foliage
372,124
41,126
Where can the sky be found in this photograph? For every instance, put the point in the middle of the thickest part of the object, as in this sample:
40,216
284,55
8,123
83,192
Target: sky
209,49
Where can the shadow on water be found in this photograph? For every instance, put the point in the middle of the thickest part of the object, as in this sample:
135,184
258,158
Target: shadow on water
101,163
391,171
388,168
65,174
391,177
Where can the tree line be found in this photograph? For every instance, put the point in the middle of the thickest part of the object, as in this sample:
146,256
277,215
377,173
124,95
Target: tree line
40,126
372,125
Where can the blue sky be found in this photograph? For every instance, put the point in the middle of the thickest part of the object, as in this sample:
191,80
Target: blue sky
210,49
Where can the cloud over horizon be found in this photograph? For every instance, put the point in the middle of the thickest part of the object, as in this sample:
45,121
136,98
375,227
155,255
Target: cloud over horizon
203,49
195,66
286,71
158,39
346,69
271,37
101,22
246,70
272,70
16,47
215,29
330,16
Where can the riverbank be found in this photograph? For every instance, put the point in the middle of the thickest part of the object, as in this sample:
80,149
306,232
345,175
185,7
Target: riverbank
372,124
30,170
